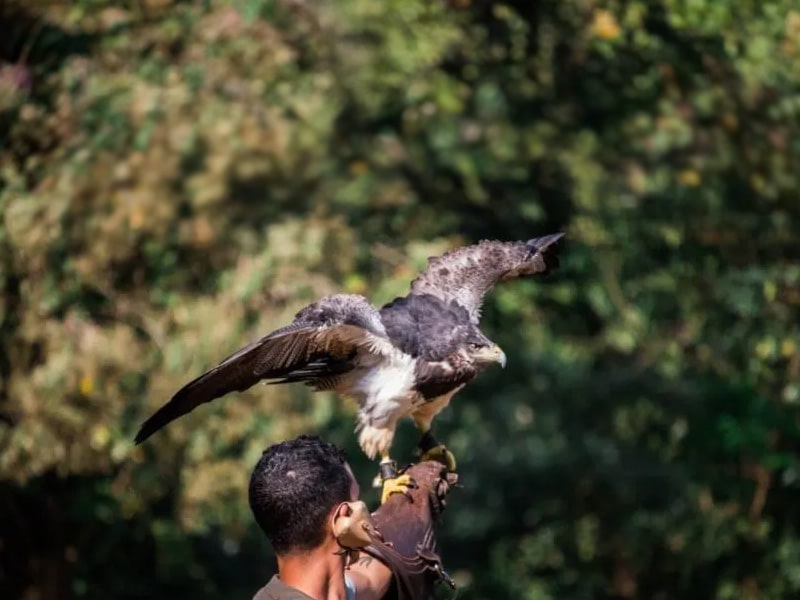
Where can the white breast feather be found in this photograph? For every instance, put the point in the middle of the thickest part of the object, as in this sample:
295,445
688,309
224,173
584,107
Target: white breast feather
384,389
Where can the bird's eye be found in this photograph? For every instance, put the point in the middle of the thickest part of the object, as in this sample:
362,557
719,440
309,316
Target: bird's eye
473,346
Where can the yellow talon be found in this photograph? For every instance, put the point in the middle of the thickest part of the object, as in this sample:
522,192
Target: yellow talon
441,454
396,485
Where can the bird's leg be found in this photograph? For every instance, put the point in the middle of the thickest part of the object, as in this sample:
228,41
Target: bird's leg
431,449
390,481
387,470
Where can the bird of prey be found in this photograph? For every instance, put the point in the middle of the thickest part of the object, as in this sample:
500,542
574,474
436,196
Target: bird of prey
407,358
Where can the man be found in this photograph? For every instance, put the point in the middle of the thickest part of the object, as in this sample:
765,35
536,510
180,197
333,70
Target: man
303,494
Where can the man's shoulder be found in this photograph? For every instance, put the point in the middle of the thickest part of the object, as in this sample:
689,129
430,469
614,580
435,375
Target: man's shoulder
277,590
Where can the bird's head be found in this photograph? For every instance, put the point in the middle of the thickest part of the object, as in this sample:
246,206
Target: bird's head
484,352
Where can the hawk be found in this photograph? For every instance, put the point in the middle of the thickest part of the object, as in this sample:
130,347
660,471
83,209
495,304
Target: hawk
406,358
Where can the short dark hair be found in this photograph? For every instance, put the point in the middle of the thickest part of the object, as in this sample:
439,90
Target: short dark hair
293,489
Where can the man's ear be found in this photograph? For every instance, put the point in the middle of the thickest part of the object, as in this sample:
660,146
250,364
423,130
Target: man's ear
351,524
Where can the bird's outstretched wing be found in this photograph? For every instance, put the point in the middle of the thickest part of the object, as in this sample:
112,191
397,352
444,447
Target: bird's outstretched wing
316,347
466,274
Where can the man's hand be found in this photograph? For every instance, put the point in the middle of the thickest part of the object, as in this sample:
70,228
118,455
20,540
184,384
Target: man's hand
406,525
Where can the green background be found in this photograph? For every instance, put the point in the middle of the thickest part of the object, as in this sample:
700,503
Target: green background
179,177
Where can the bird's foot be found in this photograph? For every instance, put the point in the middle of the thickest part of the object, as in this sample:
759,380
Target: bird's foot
441,454
390,482
431,449
397,485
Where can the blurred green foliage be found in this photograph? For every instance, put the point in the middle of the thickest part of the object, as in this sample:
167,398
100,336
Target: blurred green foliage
179,177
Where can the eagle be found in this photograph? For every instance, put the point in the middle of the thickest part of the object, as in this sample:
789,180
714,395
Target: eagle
406,358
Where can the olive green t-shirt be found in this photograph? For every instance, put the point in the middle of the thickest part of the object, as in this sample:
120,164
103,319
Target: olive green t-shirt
277,590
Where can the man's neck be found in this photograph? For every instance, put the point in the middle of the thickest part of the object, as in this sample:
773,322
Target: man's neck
318,574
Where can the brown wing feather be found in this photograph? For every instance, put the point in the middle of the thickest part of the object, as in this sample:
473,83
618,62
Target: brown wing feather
466,274
275,355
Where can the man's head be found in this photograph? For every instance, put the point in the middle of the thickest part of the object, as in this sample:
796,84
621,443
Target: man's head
295,487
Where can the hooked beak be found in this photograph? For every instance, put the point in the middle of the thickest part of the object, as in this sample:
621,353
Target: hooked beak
491,354
501,357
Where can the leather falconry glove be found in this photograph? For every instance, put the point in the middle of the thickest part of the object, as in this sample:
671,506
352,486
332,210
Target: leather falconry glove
405,540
